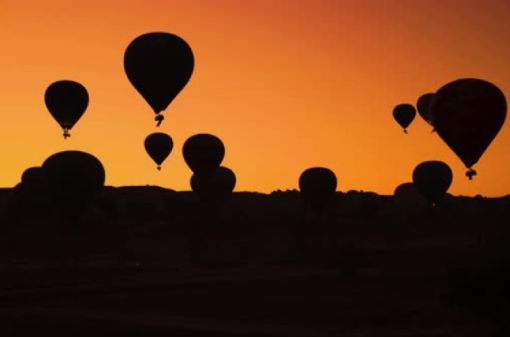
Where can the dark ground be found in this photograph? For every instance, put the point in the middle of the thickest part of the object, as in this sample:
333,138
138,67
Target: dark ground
125,268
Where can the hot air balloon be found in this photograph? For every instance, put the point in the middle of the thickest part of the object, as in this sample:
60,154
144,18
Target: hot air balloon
423,105
467,114
74,178
318,186
217,184
158,145
158,65
408,198
32,179
203,152
432,179
404,114
66,101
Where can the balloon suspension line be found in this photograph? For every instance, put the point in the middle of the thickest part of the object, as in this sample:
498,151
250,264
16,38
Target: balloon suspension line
159,119
66,133
470,173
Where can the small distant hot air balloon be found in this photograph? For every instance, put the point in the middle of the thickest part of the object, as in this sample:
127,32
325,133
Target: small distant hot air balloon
203,152
404,114
423,106
318,186
432,179
66,101
217,184
467,114
158,65
158,145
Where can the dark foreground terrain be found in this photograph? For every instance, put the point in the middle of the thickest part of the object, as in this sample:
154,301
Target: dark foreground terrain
145,261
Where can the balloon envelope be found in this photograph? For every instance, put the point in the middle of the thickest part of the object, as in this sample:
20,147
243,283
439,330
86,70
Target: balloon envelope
423,105
66,101
158,145
203,152
404,114
467,114
317,185
214,185
158,65
73,176
408,198
432,179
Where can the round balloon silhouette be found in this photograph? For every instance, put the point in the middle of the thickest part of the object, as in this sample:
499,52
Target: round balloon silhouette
318,186
203,152
158,145
158,65
404,114
432,179
423,106
74,178
66,101
408,198
467,114
32,179
217,184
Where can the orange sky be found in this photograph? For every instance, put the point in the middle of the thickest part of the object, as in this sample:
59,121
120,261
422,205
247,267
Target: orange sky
285,84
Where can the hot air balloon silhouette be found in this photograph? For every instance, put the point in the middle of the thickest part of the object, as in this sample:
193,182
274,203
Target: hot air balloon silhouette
74,178
408,199
404,114
423,106
318,186
467,114
158,65
66,102
158,145
432,179
215,185
203,152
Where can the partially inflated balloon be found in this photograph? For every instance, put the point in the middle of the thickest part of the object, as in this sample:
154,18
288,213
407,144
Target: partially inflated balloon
318,186
404,114
432,179
66,101
423,106
73,177
467,114
158,65
203,152
158,145
217,184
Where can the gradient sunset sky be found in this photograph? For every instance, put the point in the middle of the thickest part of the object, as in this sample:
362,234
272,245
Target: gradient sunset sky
285,84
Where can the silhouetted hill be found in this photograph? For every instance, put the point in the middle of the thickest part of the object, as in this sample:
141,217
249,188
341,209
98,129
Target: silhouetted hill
265,262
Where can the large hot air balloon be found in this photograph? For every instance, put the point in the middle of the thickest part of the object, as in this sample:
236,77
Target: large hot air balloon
467,114
217,184
203,152
66,101
158,145
423,106
158,65
318,186
432,179
404,114
74,178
